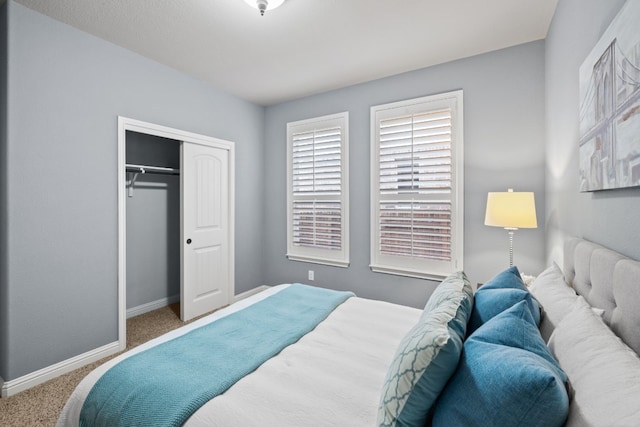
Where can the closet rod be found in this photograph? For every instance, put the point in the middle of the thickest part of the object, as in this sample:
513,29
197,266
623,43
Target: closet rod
152,169
136,170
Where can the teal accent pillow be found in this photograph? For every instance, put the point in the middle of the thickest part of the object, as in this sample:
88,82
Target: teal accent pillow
506,377
501,293
489,303
427,356
509,278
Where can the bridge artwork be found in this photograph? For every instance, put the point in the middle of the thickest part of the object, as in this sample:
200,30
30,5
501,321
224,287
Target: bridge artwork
610,106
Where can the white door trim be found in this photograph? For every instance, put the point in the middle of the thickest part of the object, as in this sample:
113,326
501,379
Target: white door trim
125,124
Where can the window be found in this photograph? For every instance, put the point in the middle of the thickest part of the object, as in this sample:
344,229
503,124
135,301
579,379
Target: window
417,186
318,183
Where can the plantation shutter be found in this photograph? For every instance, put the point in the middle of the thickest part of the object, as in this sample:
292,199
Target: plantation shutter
415,199
415,185
317,191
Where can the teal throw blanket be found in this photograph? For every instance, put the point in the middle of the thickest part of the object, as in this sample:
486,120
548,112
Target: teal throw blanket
166,384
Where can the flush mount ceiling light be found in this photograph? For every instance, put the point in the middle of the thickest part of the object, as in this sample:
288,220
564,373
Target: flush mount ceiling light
264,5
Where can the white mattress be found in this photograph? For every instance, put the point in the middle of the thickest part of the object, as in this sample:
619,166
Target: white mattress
332,376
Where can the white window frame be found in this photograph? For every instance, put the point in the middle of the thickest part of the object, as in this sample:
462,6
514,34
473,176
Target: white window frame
333,257
406,265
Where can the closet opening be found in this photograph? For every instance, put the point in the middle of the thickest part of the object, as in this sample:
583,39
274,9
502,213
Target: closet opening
176,197
153,222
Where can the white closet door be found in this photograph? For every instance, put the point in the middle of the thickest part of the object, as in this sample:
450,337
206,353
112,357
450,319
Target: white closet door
205,229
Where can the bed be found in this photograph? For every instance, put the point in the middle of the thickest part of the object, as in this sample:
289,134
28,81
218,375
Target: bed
573,358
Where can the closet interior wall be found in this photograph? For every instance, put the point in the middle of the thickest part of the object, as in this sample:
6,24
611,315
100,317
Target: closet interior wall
152,225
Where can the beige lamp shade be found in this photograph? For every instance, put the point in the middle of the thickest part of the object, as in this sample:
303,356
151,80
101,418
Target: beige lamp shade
511,210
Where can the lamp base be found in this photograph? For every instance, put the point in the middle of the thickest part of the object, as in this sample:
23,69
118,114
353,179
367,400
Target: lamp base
511,248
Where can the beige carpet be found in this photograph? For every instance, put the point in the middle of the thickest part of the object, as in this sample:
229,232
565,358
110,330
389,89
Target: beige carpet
41,405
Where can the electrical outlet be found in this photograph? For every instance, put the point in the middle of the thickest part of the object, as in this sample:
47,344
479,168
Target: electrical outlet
311,275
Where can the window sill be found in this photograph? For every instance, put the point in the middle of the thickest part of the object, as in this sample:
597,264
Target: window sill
333,263
407,273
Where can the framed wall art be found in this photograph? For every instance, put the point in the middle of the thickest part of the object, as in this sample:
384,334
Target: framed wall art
609,145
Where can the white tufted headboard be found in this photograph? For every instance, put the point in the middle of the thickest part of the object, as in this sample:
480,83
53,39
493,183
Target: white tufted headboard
607,280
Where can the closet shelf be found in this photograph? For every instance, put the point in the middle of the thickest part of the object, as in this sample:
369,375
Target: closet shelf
152,169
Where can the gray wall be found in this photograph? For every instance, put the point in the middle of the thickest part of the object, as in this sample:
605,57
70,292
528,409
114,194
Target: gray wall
4,289
607,217
503,147
153,222
66,89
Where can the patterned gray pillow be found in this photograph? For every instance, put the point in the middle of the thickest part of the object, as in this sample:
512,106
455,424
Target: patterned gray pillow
427,356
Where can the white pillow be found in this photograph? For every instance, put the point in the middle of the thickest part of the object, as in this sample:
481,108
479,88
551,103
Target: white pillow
555,296
603,371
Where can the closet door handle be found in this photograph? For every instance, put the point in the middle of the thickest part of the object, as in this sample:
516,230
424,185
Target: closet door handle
188,241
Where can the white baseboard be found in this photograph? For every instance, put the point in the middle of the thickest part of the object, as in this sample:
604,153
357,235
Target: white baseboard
9,388
153,305
250,292
163,302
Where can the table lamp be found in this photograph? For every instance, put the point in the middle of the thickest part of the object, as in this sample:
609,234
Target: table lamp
511,210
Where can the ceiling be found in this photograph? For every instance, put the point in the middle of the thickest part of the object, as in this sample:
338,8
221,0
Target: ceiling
305,46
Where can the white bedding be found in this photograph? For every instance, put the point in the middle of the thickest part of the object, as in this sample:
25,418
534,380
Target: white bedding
332,376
